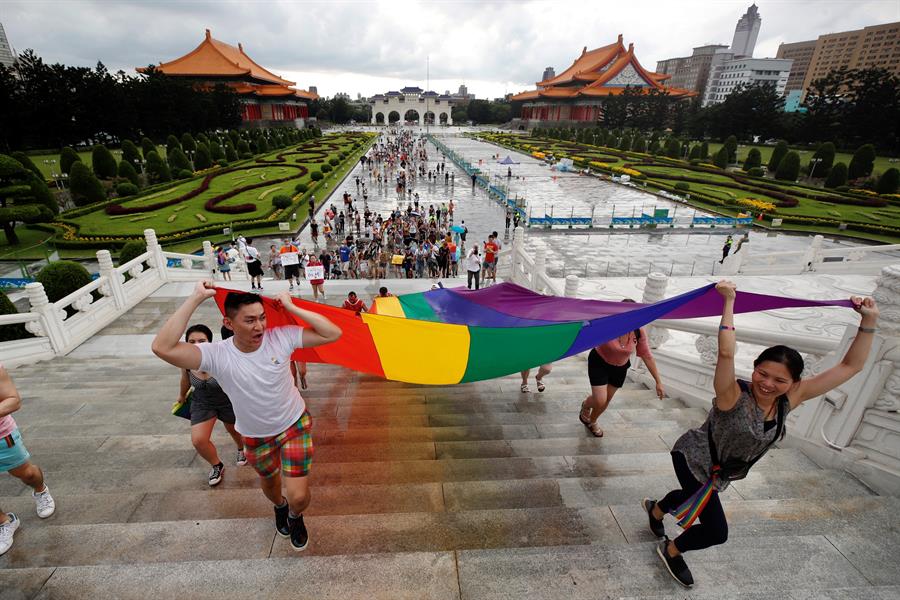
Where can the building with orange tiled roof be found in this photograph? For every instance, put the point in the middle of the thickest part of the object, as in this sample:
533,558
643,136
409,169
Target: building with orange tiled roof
267,99
577,95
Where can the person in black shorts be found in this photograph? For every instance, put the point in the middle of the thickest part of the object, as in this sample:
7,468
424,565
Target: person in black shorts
208,403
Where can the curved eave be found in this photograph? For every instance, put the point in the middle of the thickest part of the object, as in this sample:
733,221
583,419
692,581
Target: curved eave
587,62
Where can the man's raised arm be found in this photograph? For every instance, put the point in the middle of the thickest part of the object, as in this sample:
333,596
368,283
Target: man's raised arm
168,345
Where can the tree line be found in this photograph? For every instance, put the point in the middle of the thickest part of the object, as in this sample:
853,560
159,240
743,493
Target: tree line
48,106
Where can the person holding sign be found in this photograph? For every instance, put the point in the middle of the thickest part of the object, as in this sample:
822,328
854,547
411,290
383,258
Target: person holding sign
315,275
290,261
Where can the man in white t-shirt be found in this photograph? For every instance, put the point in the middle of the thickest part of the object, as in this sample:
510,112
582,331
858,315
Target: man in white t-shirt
254,369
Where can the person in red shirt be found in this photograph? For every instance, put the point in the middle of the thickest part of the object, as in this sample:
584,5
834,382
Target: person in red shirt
318,285
607,367
355,304
490,259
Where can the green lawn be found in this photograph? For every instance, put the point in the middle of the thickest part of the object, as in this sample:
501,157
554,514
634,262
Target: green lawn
45,167
882,163
183,215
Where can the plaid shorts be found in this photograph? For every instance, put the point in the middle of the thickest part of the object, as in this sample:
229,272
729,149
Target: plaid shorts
290,451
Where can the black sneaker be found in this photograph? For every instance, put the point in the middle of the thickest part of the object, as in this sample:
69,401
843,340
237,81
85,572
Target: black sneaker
281,520
299,535
215,474
656,525
677,568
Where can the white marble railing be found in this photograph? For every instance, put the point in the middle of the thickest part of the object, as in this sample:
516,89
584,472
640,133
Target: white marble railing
855,426
59,327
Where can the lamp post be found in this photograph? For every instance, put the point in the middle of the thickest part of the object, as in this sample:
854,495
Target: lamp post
52,166
814,162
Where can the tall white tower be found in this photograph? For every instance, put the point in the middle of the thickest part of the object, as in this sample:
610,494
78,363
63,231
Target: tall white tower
7,56
746,32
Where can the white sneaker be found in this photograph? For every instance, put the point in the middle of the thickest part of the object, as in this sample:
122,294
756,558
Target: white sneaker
6,532
241,458
46,506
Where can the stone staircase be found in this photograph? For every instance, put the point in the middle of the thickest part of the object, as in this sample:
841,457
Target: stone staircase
470,491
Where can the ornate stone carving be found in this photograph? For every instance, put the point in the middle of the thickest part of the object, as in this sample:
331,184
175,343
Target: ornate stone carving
35,328
136,270
889,398
708,347
812,365
83,302
627,76
187,263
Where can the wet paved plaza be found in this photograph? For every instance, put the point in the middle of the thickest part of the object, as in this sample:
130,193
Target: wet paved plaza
595,254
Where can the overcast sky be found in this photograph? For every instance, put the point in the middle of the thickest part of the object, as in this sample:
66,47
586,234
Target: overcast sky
371,47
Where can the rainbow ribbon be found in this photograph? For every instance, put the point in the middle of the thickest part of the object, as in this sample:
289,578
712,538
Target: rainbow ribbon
691,508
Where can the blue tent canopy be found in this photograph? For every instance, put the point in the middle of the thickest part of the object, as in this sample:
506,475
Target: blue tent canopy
507,161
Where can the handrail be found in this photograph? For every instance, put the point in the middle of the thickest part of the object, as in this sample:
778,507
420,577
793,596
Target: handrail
182,255
762,337
134,261
17,318
85,289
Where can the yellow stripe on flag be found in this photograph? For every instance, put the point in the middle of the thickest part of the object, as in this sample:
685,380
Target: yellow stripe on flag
438,357
389,306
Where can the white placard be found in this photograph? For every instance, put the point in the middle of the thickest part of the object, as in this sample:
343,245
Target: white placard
315,272
284,226
776,222
290,258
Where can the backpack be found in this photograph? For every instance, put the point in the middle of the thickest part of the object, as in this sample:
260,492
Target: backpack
220,258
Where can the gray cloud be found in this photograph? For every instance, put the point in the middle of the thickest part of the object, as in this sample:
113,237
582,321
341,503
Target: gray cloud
503,44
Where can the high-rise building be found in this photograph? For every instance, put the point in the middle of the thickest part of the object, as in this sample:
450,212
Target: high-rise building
690,72
463,90
7,56
313,90
875,46
746,32
801,53
732,72
549,73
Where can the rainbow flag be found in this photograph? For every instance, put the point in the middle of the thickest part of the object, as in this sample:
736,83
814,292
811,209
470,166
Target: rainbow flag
454,335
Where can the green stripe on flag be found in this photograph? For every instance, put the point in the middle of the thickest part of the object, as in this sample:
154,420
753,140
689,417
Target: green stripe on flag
498,351
415,306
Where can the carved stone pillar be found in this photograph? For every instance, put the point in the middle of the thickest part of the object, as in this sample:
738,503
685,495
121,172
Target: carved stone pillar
540,267
210,258
654,291
113,286
518,244
571,290
51,323
813,254
157,259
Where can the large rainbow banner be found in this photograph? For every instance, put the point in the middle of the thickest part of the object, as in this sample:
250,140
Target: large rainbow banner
454,335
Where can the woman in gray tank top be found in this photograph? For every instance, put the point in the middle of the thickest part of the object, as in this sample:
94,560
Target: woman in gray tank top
743,423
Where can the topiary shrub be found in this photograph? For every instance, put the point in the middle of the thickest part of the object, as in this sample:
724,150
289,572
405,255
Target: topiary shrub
789,167
756,172
301,188
681,185
84,185
837,179
67,158
888,182
778,152
61,278
721,159
104,164
281,201
317,175
126,189
222,162
126,171
11,332
27,163
334,162
753,161
184,174
130,251
326,168
862,163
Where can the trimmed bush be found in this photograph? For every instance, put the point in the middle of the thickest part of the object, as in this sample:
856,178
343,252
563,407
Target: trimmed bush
216,153
326,168
61,278
731,144
230,153
171,143
754,160
694,153
130,152
67,158
104,164
130,251
11,332
862,163
673,148
243,148
202,158
222,162
147,146
27,163
316,176
126,189
184,174
187,143
681,185
756,172
837,179
178,161
721,159
789,167
888,182
84,185
281,201
334,162
639,144
781,148
825,154
157,170
301,188
704,150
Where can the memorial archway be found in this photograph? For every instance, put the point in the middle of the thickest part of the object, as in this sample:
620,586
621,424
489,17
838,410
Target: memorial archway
429,118
444,118
379,118
393,117
412,116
